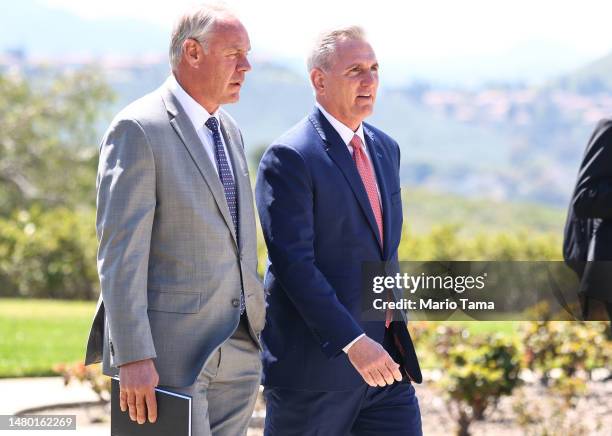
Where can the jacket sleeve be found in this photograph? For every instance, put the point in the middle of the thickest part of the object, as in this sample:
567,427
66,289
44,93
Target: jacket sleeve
125,208
285,201
593,195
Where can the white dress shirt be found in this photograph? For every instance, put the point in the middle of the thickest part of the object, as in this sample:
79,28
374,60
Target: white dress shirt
346,133
198,117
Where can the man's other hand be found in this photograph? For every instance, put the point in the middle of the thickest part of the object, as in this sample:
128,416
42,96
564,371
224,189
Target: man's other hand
137,381
373,363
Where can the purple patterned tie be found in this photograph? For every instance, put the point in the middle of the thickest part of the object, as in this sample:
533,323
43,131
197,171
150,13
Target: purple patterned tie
227,180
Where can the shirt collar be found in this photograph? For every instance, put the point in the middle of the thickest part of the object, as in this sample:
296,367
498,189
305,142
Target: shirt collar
194,110
345,132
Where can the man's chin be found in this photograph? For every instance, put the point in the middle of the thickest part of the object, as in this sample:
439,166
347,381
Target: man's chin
365,111
232,98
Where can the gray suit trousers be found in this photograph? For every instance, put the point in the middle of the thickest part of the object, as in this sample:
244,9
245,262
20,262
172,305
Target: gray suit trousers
224,393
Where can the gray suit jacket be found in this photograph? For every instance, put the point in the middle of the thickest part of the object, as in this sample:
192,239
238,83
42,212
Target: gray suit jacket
170,268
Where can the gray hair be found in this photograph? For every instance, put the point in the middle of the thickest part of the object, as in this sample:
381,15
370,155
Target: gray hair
197,23
326,43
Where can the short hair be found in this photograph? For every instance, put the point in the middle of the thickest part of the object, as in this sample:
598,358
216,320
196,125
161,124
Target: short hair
326,43
197,23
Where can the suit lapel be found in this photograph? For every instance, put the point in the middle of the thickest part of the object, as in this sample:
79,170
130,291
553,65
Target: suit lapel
376,156
337,151
185,131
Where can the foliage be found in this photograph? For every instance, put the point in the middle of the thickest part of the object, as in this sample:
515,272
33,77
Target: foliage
564,354
424,209
476,374
48,254
447,243
474,371
52,253
47,137
90,375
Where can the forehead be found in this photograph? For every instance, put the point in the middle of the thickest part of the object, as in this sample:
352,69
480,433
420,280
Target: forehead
353,51
229,32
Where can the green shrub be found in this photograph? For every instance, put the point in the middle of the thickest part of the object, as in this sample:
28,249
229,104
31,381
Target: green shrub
476,373
474,370
447,243
48,254
564,354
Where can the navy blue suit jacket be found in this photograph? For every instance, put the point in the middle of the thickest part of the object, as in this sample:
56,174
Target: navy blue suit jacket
319,228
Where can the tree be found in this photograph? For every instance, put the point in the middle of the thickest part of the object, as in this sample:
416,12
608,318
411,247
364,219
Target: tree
47,137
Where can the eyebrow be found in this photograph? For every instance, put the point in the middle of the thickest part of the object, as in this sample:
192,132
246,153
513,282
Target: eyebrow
235,48
357,64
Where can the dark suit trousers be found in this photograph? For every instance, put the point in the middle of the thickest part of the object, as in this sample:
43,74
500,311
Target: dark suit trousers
365,411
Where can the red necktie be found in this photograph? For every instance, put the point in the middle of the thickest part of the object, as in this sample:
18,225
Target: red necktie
369,182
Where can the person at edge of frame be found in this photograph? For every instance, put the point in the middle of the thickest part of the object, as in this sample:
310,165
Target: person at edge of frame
587,245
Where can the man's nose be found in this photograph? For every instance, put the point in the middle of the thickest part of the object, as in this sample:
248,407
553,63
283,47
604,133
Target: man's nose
244,64
369,78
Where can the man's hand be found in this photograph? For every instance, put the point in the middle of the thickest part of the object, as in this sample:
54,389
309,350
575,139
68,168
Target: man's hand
137,381
373,363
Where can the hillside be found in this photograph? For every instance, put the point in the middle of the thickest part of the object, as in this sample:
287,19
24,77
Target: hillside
425,209
52,32
595,77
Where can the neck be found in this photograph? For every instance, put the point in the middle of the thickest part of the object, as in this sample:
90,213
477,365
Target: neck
351,124
195,93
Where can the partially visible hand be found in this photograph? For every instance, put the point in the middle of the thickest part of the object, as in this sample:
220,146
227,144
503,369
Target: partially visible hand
137,381
373,363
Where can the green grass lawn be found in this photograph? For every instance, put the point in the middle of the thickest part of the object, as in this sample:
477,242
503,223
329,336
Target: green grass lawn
505,328
37,334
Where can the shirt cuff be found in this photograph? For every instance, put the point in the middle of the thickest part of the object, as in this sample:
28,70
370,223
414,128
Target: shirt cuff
350,344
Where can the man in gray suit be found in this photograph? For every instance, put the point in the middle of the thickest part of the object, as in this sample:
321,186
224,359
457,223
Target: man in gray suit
181,304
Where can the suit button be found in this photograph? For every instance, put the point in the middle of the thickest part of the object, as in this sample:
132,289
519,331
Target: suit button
235,302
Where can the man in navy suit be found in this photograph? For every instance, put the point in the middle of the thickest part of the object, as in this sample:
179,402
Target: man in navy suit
329,199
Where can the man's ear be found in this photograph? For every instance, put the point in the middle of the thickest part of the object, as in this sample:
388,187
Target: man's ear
317,79
192,52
